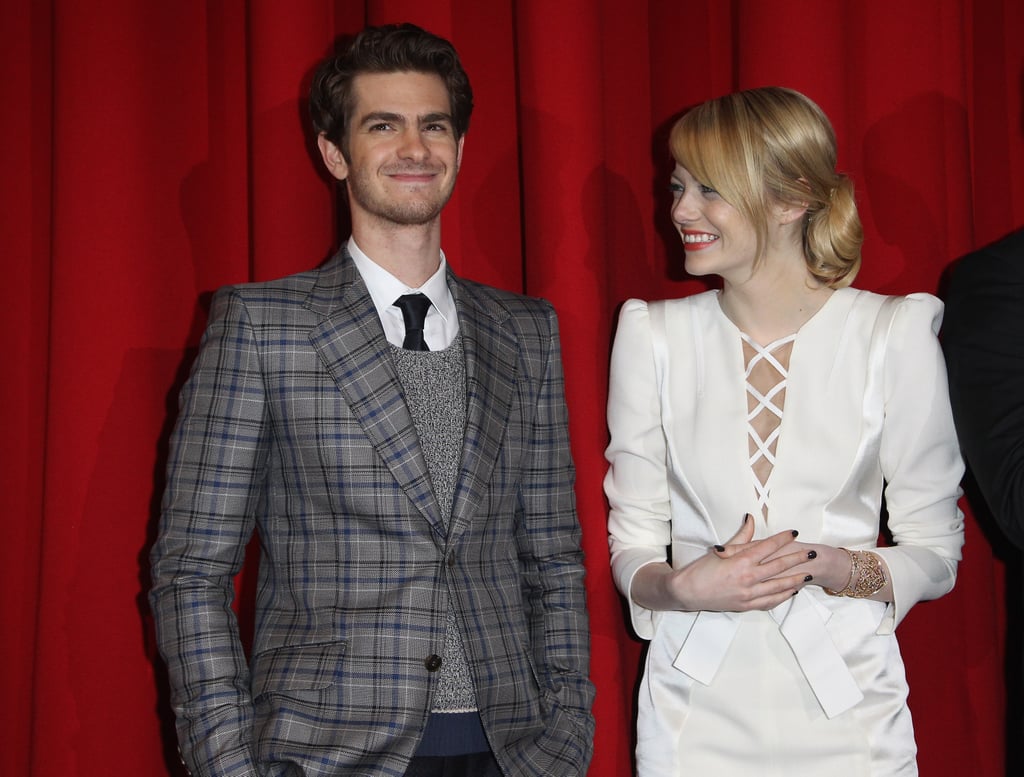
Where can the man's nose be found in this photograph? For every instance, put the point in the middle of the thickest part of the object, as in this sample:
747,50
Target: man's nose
413,146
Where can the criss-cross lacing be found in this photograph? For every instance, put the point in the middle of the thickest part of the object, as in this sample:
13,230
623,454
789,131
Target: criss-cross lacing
766,383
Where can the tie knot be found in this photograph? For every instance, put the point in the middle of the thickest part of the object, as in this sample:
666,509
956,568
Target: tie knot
414,311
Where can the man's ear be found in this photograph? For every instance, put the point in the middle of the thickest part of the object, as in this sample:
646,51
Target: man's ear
334,160
458,156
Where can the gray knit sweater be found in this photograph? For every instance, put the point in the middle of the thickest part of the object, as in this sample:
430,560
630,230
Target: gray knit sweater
435,390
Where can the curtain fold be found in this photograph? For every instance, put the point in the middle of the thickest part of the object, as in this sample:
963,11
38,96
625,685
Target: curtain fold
154,152
25,235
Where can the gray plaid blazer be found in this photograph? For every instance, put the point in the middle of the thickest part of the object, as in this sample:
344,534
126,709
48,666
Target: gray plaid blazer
293,424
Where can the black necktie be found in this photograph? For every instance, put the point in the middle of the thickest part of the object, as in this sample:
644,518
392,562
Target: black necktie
414,311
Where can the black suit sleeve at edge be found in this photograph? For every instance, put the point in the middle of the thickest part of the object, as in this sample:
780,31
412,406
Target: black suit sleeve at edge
983,339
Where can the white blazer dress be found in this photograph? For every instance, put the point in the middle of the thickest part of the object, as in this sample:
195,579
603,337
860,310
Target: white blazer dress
816,686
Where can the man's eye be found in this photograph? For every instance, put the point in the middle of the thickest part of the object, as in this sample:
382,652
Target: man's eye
380,127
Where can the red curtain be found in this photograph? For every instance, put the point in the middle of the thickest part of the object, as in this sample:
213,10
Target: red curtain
155,151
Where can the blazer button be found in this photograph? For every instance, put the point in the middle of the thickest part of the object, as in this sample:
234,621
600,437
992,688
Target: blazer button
432,662
451,560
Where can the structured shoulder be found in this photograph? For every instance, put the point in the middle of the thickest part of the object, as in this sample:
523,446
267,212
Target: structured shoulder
867,305
918,315
699,303
290,290
300,284
1002,260
523,315
502,299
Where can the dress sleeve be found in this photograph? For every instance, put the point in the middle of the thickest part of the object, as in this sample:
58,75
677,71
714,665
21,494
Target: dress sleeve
636,484
920,460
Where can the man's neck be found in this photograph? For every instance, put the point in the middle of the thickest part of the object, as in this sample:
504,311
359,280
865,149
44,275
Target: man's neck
412,253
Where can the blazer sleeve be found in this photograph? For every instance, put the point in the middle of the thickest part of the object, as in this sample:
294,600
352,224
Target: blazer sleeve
548,538
920,460
217,455
636,484
983,338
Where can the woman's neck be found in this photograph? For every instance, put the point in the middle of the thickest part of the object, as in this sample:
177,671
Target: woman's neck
772,304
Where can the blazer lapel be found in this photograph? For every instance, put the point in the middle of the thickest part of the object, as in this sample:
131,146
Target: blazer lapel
350,341
491,352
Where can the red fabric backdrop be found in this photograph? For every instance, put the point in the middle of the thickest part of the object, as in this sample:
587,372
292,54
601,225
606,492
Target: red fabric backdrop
152,152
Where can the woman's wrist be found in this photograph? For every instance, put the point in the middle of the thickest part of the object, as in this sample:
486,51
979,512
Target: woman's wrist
654,587
867,575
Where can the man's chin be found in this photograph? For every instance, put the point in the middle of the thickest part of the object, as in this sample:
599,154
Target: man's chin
407,217
414,212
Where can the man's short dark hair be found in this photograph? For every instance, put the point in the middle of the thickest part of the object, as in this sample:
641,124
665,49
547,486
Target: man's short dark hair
390,48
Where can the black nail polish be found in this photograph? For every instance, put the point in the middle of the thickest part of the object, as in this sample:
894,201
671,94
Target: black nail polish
812,554
719,548
746,518
809,578
795,532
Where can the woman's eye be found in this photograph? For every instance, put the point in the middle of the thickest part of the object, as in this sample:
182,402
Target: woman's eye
676,188
707,190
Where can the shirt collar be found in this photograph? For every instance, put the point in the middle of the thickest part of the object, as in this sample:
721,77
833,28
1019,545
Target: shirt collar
385,288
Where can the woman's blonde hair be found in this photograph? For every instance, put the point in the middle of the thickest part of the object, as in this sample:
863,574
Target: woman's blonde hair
773,144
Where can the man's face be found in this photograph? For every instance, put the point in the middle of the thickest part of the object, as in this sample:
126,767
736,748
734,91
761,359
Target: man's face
402,153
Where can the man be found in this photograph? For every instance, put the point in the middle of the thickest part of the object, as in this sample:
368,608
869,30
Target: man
983,337
397,436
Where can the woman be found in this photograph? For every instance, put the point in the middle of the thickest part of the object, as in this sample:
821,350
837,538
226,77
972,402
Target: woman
752,432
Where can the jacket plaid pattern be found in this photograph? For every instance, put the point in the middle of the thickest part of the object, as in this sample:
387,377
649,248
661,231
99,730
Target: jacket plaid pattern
293,424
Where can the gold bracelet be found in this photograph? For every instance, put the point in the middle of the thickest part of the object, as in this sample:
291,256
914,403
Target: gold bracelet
867,577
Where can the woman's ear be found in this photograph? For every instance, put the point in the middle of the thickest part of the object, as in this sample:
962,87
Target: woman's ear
788,212
794,210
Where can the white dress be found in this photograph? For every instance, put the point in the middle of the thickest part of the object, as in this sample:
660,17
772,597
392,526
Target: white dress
815,686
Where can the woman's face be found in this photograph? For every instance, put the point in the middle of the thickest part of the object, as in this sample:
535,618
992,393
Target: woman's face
717,239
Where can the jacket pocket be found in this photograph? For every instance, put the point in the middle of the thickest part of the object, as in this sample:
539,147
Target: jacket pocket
311,667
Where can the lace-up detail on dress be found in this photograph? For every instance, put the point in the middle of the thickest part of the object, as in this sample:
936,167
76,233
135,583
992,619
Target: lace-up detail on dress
766,373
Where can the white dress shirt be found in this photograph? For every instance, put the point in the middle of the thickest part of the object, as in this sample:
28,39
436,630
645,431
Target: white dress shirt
442,321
